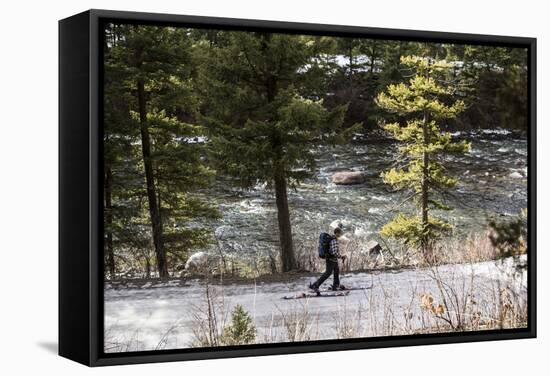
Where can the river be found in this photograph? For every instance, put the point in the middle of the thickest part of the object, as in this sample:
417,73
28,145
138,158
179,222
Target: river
493,182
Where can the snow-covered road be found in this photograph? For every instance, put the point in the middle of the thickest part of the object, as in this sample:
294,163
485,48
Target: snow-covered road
154,316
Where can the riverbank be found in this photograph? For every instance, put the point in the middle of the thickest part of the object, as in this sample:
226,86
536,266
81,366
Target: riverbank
475,248
493,184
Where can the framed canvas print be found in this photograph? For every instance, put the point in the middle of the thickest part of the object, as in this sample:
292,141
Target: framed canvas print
235,187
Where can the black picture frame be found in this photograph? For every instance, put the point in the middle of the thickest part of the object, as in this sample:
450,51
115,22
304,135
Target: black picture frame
80,189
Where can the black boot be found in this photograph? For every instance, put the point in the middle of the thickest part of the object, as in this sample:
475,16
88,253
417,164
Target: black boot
339,287
314,288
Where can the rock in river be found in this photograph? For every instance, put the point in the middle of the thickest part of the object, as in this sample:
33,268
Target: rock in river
515,175
348,178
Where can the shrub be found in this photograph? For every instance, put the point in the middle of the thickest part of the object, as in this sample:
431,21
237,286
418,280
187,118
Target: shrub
241,330
510,237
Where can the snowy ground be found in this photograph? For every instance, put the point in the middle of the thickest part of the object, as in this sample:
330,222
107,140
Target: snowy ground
155,316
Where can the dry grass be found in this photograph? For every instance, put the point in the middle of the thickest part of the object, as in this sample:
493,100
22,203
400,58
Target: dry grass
114,344
471,248
348,321
295,324
442,299
209,317
476,247
465,304
457,304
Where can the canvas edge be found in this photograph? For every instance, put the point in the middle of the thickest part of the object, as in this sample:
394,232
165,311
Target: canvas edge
73,164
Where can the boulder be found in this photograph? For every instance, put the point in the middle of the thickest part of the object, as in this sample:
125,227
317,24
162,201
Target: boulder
196,263
373,247
349,178
515,175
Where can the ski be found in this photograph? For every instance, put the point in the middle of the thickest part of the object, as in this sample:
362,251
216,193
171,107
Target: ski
323,294
354,288
328,293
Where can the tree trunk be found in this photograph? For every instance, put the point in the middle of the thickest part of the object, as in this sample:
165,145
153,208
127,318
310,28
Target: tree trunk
288,260
109,221
154,210
351,69
424,194
147,267
372,61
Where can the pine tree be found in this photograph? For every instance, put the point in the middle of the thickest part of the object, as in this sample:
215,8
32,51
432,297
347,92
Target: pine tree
153,69
497,90
424,102
241,330
123,191
349,48
262,124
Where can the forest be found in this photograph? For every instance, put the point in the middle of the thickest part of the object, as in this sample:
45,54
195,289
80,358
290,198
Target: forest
215,141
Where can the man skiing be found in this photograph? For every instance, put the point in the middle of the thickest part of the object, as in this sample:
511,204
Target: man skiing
331,257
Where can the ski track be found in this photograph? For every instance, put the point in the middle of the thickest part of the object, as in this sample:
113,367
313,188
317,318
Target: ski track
143,316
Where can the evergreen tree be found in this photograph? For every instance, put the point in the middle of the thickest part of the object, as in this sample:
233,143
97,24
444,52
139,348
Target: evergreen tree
153,70
349,48
365,68
510,235
262,125
241,330
424,102
265,101
123,190
496,90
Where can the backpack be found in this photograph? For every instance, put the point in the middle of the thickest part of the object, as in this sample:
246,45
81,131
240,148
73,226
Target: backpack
324,244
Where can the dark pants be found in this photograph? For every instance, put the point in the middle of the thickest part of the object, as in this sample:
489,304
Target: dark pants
332,267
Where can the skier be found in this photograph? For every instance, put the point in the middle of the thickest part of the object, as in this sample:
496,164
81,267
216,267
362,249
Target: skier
331,255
